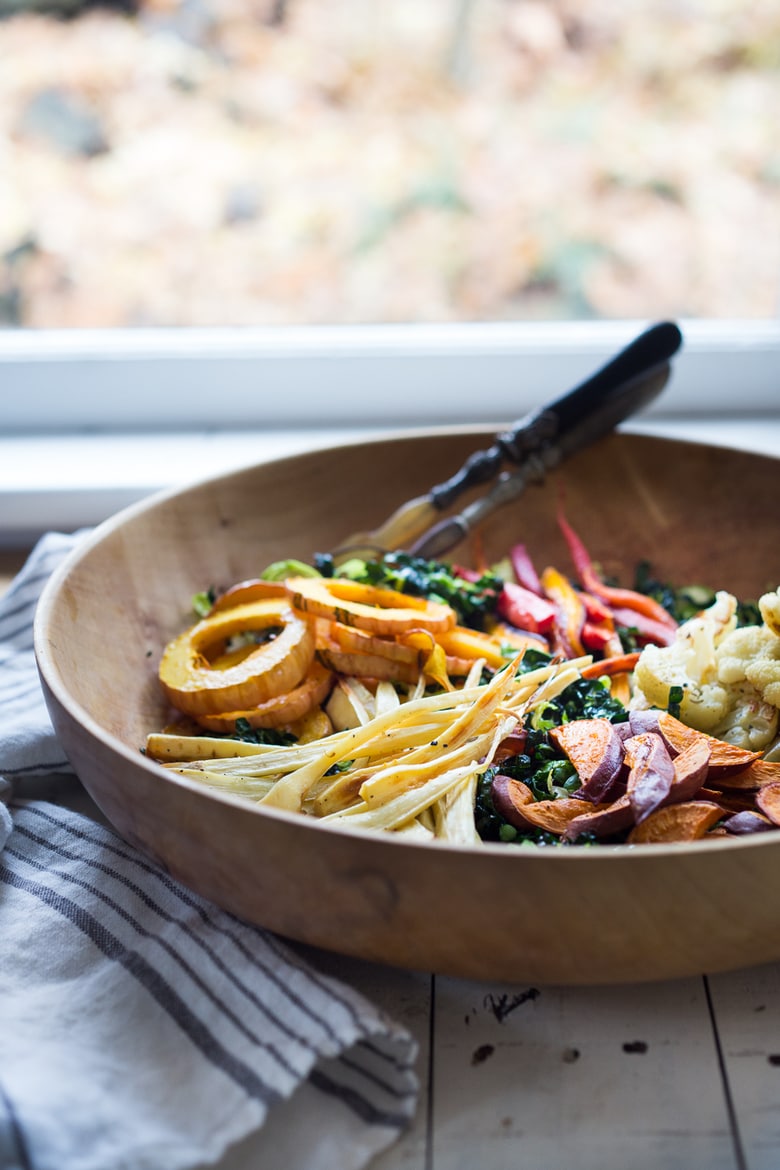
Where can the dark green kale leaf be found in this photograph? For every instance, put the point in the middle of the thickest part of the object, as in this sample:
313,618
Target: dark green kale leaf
261,735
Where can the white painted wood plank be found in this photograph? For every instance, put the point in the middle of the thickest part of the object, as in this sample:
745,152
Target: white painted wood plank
747,1010
593,1078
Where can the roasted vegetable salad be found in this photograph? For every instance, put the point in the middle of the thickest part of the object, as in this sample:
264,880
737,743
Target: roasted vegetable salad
490,702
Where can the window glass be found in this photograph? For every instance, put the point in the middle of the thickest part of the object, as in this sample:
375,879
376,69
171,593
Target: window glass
267,162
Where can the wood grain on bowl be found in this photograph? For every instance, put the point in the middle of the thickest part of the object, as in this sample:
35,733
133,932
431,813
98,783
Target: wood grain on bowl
592,915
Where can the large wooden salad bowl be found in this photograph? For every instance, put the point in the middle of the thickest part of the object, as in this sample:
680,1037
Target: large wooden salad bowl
577,915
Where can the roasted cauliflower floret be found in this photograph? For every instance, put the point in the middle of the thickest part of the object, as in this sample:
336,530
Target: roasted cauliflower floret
752,654
690,662
751,723
730,678
739,649
764,674
704,705
769,606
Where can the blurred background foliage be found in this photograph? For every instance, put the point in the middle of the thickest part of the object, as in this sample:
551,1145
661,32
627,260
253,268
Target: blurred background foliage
237,162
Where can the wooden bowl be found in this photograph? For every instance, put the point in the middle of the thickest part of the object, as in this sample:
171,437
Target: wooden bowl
566,916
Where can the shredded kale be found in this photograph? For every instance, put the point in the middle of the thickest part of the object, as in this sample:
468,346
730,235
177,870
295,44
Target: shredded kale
676,695
339,767
685,601
202,602
261,735
588,699
748,613
473,601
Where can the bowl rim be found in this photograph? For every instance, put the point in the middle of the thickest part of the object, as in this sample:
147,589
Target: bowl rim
52,678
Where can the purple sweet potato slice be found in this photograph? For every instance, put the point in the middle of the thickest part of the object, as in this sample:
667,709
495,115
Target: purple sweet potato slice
595,749
602,822
746,822
651,773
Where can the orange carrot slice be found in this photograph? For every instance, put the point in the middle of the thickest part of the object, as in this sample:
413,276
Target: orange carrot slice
618,664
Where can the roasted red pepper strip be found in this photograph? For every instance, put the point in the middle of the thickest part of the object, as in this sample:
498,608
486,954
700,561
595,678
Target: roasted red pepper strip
570,612
596,610
627,598
525,610
598,637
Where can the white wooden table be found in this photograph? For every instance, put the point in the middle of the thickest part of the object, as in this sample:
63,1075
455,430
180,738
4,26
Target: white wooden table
680,1074
684,1074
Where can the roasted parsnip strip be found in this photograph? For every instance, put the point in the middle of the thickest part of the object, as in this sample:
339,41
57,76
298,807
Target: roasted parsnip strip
164,746
454,814
409,804
239,785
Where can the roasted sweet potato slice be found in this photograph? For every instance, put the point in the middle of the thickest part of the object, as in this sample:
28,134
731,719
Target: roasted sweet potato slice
724,758
651,773
509,800
513,745
641,721
595,749
509,797
746,822
676,822
729,801
602,822
691,770
768,802
750,779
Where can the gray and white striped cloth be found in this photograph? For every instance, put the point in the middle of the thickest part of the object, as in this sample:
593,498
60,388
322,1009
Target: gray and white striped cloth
140,1025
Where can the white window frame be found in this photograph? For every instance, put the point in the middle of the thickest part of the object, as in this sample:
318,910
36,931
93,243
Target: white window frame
346,376
94,420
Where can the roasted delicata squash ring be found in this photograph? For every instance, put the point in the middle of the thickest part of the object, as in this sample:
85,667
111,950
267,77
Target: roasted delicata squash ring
279,711
379,611
198,686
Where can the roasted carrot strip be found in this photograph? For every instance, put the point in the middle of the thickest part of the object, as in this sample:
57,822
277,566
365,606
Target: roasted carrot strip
619,664
524,569
614,596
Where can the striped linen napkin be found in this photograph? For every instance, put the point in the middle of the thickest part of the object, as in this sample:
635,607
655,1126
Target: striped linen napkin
140,1025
